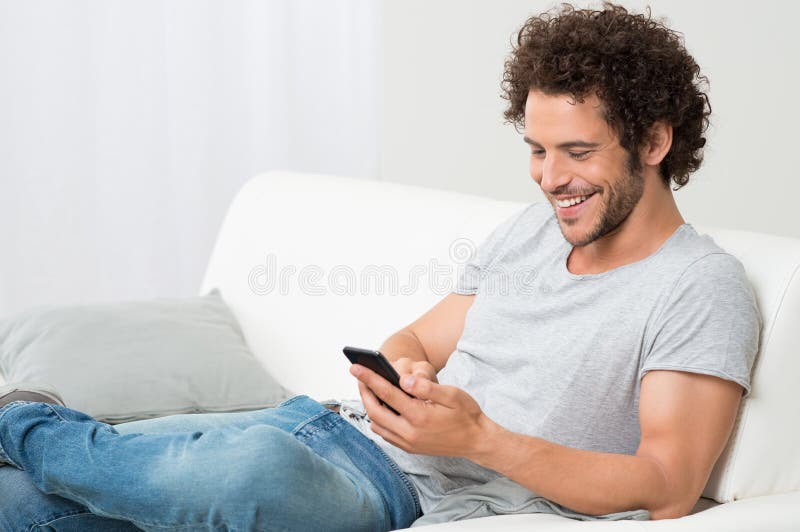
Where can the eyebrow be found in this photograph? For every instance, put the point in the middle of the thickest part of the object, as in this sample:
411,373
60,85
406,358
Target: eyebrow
565,145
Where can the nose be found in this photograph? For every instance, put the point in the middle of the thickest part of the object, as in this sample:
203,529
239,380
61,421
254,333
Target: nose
554,173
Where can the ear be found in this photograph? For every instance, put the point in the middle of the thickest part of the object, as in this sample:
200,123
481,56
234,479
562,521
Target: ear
657,145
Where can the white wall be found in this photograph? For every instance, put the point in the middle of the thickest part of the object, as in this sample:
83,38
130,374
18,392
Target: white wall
127,126
442,121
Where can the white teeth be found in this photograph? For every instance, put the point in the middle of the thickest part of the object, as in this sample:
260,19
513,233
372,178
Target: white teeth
571,201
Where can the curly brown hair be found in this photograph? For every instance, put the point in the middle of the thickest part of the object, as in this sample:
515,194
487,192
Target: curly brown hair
637,66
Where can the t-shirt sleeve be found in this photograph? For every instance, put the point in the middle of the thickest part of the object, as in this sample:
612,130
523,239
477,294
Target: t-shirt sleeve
475,266
710,323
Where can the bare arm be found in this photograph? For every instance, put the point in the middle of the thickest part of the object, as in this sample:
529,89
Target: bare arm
423,347
433,336
685,420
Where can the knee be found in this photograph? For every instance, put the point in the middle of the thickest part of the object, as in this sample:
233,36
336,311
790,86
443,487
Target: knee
277,467
262,478
271,488
218,468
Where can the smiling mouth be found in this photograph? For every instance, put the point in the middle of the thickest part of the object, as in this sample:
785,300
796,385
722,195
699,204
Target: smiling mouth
572,201
570,205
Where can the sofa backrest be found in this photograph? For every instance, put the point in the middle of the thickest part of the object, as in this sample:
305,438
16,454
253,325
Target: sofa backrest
763,454
311,263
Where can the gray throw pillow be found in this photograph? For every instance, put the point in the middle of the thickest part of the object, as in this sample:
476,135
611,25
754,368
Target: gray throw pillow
141,359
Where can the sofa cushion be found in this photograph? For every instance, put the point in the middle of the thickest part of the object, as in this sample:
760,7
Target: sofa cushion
141,359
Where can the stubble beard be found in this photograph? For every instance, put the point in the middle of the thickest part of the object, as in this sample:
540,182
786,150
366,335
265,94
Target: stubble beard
615,210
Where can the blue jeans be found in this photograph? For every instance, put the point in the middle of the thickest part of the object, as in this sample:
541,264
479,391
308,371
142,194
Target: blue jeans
298,466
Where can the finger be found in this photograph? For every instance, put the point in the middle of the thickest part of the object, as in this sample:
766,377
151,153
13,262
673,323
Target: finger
381,416
376,410
425,375
427,390
383,389
403,365
390,436
366,394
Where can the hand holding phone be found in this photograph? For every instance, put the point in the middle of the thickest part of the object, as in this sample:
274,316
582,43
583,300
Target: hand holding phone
378,363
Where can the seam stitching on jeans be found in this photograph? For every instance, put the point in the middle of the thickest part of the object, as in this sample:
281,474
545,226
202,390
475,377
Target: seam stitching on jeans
403,478
50,520
310,431
53,410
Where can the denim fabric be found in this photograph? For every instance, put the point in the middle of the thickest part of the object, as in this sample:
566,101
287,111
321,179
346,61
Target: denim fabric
295,467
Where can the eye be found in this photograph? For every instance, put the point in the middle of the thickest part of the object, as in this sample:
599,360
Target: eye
579,156
537,153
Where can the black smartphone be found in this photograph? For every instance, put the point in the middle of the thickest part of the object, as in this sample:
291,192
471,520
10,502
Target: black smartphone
375,361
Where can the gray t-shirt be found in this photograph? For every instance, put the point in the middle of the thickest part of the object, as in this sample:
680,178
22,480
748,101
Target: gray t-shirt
560,356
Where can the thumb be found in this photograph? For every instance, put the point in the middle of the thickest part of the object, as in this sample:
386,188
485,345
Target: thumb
423,388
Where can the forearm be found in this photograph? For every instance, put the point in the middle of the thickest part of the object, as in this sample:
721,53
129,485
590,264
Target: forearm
403,344
588,482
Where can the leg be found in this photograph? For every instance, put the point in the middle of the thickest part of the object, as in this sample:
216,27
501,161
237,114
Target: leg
23,507
259,476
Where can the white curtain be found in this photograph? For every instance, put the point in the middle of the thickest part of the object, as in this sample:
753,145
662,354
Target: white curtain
126,127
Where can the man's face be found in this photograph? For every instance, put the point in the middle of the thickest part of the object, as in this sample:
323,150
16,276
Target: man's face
578,162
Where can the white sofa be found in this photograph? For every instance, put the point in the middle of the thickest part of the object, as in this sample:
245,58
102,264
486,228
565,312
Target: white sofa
313,235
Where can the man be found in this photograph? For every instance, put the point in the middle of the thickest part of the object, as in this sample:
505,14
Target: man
607,383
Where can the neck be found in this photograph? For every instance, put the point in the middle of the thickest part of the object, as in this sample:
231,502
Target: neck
651,222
